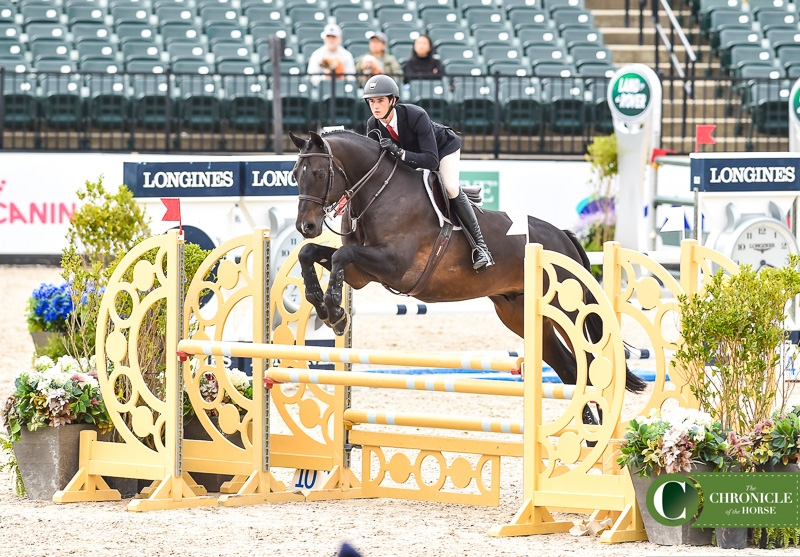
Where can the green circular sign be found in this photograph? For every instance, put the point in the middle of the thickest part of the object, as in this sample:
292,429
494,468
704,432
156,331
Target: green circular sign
673,499
629,96
795,102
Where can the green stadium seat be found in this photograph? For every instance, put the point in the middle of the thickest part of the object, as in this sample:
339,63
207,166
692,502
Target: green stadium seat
174,3
356,31
565,99
8,12
303,15
264,16
597,70
783,37
357,46
581,37
238,67
262,32
199,105
463,68
189,50
455,52
789,55
401,33
297,105
568,18
99,65
54,65
129,14
247,106
336,3
433,95
203,4
81,31
555,69
509,68
10,31
49,49
707,7
597,54
179,31
545,55
482,15
20,105
40,14
337,103
758,5
528,18
81,13
351,14
61,102
380,5
466,5
492,36
473,102
174,15
728,38
555,5
437,17
522,108
149,99
750,54
96,50
224,32
723,20
11,49
219,14
130,31
52,31
495,53
139,65
446,36
141,50
423,5
510,5
224,52
531,36
396,15
599,115
776,19
768,107
108,104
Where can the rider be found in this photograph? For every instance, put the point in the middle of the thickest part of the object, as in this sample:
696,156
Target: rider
407,132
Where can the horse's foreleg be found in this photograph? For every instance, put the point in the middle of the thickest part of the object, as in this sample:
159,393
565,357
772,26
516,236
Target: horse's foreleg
309,255
371,260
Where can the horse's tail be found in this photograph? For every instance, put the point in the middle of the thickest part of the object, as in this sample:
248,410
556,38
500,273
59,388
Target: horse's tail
593,323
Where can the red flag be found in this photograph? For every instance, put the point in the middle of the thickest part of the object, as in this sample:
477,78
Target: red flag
660,153
703,136
173,213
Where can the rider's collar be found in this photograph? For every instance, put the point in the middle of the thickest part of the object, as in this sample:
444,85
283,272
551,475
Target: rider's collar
393,121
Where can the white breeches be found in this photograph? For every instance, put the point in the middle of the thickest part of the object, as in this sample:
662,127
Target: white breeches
449,167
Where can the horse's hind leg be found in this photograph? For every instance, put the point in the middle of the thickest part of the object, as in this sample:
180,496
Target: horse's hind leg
309,255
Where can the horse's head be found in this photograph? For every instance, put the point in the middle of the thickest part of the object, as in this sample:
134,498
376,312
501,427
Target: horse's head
318,181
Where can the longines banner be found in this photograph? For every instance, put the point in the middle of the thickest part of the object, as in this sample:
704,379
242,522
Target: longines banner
731,173
761,500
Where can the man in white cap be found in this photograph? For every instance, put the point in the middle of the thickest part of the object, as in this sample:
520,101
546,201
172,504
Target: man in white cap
331,58
378,60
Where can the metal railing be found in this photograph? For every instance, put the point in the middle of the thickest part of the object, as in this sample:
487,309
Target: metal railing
495,115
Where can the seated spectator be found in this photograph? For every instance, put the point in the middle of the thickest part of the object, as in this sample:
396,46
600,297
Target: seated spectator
366,65
422,64
331,58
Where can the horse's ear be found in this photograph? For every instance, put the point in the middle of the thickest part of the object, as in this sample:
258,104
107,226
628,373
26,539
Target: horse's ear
298,142
316,139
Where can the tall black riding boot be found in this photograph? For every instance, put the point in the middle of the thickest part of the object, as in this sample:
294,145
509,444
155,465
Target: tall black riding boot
469,222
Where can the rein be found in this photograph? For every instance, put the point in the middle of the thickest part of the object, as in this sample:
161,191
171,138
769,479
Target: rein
349,192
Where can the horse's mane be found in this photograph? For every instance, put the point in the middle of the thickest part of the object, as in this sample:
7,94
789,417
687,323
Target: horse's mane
350,133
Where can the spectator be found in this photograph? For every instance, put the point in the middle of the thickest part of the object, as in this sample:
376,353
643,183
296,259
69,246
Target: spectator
378,60
422,64
331,57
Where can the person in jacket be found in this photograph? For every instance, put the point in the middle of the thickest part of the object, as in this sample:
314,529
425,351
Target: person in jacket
407,133
331,58
378,60
422,64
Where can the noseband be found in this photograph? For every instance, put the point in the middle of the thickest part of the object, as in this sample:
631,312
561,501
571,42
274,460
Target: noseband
330,207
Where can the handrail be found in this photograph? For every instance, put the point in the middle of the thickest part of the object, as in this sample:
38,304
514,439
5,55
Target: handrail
687,76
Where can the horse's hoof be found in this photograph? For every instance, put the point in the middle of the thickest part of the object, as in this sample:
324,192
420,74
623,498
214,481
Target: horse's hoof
342,325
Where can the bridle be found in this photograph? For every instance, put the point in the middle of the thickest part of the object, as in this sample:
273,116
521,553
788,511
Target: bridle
335,208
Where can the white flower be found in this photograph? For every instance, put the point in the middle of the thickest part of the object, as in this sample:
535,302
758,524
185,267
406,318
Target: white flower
238,379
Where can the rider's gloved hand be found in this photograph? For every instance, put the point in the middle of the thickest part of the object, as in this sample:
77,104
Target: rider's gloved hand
392,147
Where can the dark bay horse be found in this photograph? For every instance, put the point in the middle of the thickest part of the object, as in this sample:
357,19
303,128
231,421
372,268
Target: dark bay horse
394,229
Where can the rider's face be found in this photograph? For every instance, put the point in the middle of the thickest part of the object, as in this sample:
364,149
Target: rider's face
379,106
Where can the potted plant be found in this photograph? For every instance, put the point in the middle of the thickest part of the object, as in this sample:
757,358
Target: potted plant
597,217
49,308
733,337
51,404
209,391
679,441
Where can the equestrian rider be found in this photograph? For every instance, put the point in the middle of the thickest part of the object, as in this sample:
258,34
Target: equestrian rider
407,132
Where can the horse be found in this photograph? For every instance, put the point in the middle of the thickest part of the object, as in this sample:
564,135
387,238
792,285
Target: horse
391,231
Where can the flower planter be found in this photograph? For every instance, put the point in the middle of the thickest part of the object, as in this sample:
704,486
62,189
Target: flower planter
42,338
48,458
669,535
731,538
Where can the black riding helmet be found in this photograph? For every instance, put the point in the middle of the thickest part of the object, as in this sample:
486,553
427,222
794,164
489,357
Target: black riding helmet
381,86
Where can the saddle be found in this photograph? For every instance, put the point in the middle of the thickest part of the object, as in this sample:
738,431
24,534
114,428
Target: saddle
438,195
